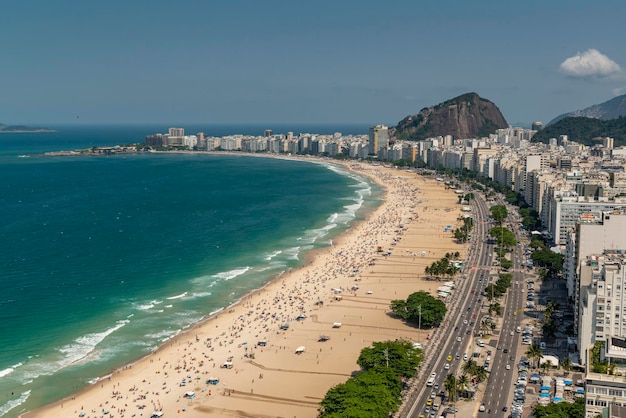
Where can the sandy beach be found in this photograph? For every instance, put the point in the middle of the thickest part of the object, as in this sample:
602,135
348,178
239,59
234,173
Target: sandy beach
343,293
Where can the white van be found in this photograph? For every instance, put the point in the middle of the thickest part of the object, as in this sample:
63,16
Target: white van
518,330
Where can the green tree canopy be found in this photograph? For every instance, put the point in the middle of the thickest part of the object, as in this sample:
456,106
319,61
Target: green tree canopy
375,393
399,356
503,236
432,310
561,410
498,213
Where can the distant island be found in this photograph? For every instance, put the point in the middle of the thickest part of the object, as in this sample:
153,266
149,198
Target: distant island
22,128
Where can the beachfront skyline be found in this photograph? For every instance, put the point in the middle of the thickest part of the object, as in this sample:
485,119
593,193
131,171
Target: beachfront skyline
304,62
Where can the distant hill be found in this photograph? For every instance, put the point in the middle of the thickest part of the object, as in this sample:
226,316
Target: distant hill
22,128
611,109
584,130
465,116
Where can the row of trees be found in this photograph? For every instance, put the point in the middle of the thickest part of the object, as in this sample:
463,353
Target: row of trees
443,267
376,391
499,288
550,263
463,232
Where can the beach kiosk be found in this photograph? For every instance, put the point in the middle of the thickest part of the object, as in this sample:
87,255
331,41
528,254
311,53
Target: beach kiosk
190,395
336,324
300,350
227,365
213,380
156,414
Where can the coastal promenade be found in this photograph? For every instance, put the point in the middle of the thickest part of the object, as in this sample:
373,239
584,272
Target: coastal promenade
264,357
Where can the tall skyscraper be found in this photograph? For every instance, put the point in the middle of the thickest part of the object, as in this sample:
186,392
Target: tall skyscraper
378,139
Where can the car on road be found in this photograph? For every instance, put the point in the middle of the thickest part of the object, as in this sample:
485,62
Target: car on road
504,409
512,333
472,324
433,395
456,328
465,356
465,322
468,332
429,402
508,367
449,358
446,366
427,409
458,357
499,347
506,350
436,386
458,339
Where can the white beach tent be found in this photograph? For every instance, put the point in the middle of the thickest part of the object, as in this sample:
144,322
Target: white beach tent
300,350
336,324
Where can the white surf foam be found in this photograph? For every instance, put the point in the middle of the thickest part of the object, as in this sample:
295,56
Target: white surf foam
272,255
182,295
85,344
9,370
13,403
231,274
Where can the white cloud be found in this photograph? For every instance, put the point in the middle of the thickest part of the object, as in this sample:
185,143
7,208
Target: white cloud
590,64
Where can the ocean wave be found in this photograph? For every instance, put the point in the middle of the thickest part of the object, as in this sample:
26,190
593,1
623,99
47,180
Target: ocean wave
164,335
216,311
149,305
200,295
85,344
14,403
272,255
292,253
9,370
182,295
231,274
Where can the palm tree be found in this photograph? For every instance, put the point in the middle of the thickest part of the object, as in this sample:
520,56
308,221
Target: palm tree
450,385
469,366
534,351
566,363
495,308
481,374
463,382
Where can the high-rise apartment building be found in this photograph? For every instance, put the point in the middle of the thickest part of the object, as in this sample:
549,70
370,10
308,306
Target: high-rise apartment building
378,139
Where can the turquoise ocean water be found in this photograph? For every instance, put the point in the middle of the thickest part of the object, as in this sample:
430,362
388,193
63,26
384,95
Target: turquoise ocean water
102,259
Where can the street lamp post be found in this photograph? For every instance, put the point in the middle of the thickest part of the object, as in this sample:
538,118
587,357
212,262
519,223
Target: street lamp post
419,323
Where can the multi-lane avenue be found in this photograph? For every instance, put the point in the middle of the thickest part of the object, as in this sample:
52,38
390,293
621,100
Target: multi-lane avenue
456,341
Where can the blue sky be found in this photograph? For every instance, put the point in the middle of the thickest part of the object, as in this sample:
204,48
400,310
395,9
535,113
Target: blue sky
301,61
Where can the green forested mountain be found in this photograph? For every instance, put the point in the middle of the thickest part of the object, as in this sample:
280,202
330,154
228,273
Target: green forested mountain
584,130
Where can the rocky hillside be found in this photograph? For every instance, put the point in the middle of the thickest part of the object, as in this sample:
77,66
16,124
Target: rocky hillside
465,116
611,109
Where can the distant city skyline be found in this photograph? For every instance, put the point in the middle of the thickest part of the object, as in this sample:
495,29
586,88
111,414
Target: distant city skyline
320,62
